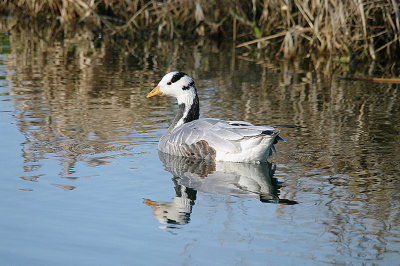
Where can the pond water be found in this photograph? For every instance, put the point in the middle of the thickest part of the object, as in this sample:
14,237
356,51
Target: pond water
82,182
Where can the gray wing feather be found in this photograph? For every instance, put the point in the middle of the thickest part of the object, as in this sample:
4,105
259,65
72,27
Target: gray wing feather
220,143
243,123
228,134
220,135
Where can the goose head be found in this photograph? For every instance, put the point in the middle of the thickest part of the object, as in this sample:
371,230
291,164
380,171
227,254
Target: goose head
176,84
181,86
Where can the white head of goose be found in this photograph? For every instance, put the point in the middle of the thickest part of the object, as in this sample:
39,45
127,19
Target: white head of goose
210,138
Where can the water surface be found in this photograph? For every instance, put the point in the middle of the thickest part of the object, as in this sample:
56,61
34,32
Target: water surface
82,181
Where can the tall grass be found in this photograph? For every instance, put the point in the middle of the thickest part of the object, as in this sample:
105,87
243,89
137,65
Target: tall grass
368,28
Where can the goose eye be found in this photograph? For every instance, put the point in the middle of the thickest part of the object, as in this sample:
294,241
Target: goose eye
169,83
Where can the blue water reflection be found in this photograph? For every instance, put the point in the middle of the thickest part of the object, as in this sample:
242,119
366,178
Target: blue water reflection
241,180
82,182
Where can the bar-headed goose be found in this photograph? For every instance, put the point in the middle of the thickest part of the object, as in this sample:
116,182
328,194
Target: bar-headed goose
210,138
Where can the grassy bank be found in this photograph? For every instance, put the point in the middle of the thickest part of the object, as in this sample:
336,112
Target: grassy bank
367,28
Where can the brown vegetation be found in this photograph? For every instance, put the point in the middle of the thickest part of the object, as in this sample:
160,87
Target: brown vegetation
367,28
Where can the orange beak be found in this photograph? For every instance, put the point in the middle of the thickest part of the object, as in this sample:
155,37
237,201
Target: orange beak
155,92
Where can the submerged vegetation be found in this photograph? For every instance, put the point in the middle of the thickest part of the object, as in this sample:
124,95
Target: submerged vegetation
369,28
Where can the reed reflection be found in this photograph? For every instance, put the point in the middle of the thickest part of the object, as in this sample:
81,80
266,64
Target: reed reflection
77,101
242,180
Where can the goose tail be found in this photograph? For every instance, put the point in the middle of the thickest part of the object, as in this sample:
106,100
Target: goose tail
277,139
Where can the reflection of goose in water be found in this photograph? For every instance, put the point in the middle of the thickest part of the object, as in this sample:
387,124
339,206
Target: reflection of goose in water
243,180
177,211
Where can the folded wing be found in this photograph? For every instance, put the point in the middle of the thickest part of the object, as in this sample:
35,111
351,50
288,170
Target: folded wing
208,135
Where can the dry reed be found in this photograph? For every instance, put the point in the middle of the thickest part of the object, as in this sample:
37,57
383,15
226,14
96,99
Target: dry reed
367,28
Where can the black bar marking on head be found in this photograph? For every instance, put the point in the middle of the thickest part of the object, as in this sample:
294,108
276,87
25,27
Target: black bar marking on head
191,84
177,76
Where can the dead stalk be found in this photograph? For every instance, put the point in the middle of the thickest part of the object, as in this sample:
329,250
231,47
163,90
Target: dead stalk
331,26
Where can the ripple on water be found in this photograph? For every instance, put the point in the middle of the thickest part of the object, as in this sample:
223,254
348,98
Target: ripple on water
82,166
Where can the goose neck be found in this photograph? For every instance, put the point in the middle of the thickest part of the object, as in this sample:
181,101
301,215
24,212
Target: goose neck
188,111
